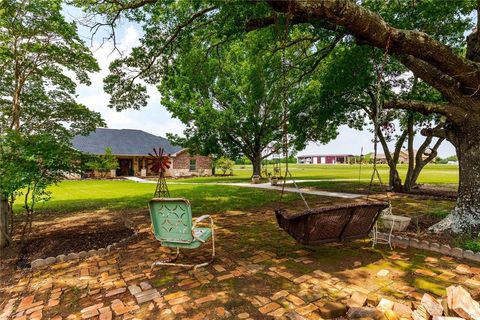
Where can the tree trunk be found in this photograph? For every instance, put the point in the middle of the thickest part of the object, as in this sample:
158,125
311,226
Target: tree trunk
411,153
395,182
412,181
466,214
4,229
257,165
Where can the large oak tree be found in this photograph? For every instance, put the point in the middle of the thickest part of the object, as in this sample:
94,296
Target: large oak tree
446,67
455,75
231,101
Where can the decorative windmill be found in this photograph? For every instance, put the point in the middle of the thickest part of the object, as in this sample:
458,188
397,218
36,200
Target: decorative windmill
160,164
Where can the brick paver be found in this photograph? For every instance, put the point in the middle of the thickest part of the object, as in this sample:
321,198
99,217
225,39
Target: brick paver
259,272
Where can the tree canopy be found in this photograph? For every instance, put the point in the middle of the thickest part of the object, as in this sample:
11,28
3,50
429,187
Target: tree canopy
42,60
427,37
231,101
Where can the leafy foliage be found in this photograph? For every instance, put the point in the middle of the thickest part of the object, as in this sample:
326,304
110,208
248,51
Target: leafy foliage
440,160
34,162
37,45
231,102
103,163
471,244
225,164
40,53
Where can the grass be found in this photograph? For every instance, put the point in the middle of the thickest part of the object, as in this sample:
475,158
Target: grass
431,174
71,196
473,245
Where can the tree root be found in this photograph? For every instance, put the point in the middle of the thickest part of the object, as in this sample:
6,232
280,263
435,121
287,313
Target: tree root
459,220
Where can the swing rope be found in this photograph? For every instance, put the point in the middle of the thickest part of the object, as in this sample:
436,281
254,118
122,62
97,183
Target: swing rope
377,110
285,114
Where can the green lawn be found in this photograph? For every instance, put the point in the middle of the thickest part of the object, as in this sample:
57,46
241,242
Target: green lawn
70,196
433,173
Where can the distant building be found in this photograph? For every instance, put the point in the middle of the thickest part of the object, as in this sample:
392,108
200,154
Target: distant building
326,159
402,157
131,147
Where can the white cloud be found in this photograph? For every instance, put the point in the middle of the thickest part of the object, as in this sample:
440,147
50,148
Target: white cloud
153,118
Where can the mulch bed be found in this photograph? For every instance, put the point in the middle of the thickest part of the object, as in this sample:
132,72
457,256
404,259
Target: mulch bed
68,241
61,242
432,191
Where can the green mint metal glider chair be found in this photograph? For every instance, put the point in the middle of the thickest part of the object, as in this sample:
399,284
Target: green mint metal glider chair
173,227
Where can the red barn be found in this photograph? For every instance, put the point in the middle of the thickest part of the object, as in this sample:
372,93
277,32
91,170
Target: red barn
326,159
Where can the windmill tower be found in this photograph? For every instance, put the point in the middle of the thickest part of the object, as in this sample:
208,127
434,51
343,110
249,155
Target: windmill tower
160,164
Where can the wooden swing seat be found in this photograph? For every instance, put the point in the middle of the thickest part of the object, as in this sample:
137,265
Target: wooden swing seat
335,223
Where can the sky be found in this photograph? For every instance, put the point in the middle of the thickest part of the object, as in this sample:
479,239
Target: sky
155,119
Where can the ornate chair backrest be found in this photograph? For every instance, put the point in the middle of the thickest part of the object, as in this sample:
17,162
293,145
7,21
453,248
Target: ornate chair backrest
171,219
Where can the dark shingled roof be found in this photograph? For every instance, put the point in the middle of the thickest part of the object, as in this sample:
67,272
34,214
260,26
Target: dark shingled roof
122,142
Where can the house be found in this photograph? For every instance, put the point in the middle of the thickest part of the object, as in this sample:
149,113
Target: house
402,157
326,159
132,147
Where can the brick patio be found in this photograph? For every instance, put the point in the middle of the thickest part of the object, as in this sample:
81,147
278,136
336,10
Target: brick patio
260,273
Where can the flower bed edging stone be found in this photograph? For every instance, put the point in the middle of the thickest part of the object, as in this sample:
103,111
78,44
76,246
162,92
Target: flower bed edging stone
41,263
455,252
458,253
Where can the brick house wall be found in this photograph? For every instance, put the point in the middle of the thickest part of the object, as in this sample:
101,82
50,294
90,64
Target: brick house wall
186,165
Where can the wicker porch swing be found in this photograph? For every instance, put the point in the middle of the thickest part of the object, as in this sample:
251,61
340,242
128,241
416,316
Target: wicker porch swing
335,223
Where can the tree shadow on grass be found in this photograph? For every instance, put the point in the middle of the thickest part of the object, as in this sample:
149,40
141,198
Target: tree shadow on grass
204,199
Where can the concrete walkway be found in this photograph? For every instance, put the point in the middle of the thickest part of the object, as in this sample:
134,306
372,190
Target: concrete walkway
140,180
267,186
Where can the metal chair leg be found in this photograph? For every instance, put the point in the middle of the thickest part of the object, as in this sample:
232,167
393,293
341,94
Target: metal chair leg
167,262
194,266
213,253
390,235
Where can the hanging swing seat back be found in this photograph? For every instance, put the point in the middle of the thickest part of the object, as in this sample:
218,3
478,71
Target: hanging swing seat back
335,223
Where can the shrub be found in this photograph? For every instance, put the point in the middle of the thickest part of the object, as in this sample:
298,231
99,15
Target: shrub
104,163
225,165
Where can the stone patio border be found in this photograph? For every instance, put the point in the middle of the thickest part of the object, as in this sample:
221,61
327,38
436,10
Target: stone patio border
444,249
40,263
406,242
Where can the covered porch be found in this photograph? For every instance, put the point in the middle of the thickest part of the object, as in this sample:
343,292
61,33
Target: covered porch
139,166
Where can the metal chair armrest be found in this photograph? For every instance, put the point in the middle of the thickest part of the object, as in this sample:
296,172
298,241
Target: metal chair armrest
201,220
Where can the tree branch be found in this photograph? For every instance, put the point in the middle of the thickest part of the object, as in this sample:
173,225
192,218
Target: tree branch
169,41
370,27
260,23
434,77
439,133
449,110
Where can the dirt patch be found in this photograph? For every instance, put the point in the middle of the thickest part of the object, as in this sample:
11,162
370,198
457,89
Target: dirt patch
444,192
421,223
68,241
55,234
